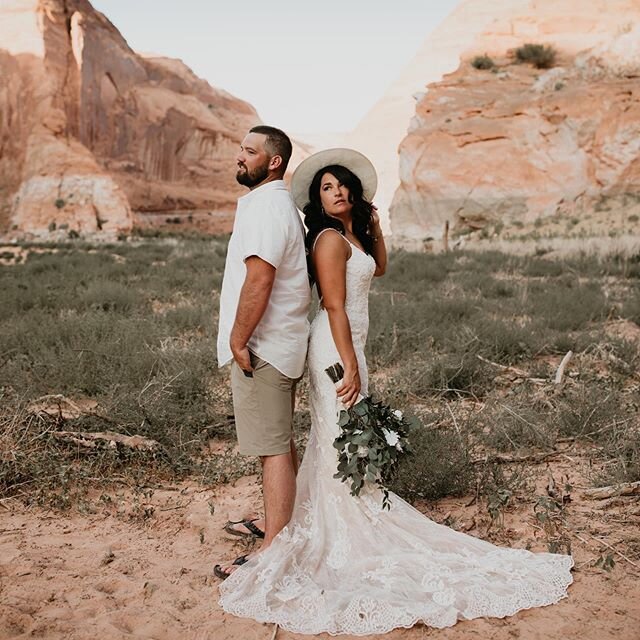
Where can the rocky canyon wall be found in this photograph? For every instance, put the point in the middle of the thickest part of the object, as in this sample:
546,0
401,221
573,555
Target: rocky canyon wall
380,132
91,131
520,143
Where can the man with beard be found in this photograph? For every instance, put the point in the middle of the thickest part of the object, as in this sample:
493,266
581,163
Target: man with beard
263,327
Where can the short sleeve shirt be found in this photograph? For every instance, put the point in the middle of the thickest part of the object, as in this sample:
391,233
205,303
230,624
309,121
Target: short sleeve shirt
267,225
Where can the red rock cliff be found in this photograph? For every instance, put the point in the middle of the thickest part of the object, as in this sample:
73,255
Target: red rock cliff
90,131
521,143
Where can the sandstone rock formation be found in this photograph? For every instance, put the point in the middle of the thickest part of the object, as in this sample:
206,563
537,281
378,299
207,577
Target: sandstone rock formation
90,131
380,132
521,143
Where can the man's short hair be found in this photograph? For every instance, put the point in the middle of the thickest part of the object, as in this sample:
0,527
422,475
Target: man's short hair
277,143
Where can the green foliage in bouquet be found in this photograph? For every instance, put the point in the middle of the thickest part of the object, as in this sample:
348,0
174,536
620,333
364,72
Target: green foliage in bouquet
373,437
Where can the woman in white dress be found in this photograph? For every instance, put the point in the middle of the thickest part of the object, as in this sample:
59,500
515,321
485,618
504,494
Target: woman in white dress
343,565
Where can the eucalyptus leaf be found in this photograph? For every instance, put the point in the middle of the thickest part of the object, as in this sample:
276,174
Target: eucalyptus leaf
360,408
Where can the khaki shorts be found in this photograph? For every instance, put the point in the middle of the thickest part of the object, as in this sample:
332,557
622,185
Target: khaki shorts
263,408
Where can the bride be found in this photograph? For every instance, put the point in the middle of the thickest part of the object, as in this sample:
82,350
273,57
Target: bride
343,565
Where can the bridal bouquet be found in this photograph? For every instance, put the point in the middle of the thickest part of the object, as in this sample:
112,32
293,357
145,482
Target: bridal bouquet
373,437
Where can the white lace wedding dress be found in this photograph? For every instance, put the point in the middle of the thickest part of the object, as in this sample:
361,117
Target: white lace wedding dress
345,566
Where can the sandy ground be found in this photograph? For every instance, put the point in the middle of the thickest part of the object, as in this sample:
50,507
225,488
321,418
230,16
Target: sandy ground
140,566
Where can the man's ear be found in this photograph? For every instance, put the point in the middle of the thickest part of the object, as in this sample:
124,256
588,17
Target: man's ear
275,163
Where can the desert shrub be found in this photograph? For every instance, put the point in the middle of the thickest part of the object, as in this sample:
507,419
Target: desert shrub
445,463
55,473
483,62
527,418
543,268
227,467
86,328
491,261
450,375
559,342
567,305
132,326
588,411
631,307
498,484
623,355
440,466
621,450
539,55
629,266
594,266
409,270
500,289
519,421
474,281
484,284
415,324
505,342
407,308
109,296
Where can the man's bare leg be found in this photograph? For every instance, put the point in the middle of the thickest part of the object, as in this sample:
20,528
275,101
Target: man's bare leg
279,491
294,457
260,523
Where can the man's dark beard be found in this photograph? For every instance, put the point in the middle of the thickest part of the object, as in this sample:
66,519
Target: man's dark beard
252,178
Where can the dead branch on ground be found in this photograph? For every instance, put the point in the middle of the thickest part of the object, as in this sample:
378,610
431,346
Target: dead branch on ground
622,489
90,440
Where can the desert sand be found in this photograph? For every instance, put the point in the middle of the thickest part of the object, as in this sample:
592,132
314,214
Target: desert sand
139,565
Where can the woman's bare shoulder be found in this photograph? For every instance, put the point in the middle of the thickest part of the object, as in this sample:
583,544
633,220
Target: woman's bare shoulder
331,243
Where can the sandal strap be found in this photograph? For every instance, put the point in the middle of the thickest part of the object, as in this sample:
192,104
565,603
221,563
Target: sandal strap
223,575
259,533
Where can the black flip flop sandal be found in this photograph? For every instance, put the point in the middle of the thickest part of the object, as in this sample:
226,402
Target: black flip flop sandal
223,575
247,524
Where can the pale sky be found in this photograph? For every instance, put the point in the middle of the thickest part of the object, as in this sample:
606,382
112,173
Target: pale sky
306,67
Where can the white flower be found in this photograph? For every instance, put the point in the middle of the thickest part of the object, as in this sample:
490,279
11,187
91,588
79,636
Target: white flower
363,452
399,447
391,437
398,414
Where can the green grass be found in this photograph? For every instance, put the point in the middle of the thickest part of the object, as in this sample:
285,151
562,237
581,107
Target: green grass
467,310
504,308
131,327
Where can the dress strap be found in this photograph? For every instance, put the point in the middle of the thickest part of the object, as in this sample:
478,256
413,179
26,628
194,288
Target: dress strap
328,229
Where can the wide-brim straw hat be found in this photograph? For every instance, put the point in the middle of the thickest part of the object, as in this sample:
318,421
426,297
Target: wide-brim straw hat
349,158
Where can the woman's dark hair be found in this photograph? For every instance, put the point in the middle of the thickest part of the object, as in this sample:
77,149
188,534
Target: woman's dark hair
315,219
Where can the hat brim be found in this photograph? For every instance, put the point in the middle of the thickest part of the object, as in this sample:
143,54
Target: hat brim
349,158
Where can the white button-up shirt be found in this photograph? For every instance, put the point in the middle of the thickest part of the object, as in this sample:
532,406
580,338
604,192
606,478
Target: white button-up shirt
267,225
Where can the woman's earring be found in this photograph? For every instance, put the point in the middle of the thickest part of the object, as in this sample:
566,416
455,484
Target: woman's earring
324,213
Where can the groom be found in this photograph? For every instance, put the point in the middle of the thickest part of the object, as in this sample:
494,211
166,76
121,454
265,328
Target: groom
263,327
